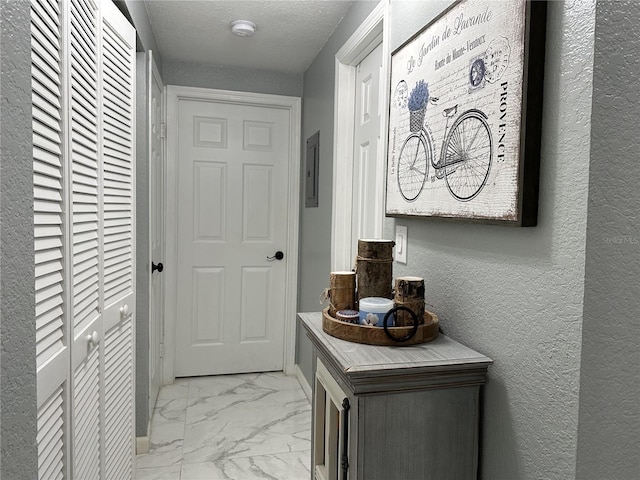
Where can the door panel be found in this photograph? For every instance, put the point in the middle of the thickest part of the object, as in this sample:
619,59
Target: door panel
51,436
118,65
208,306
256,286
366,147
118,401
50,255
209,181
156,234
86,418
85,232
117,201
232,204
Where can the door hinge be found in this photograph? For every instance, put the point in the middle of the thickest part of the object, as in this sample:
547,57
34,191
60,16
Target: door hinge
163,130
162,350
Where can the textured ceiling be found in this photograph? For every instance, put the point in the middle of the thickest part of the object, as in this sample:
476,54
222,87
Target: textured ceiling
289,33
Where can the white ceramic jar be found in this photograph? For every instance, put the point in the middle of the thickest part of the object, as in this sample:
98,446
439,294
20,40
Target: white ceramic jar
373,310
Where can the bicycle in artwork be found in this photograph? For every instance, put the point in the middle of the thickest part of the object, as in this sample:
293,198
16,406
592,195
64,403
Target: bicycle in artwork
465,157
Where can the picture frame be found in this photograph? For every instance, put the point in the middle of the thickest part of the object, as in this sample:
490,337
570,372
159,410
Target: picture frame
465,115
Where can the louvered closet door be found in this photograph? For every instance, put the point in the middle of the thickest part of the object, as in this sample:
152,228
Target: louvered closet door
84,238
83,156
118,107
49,228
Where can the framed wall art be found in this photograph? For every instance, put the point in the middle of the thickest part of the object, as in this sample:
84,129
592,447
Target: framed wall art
465,111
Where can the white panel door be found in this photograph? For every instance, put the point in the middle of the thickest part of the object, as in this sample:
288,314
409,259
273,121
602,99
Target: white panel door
232,215
366,146
156,226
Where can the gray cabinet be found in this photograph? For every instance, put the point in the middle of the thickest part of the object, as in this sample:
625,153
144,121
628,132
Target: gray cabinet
411,413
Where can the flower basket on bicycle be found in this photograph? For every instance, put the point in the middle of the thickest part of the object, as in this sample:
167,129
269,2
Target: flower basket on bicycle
416,120
417,104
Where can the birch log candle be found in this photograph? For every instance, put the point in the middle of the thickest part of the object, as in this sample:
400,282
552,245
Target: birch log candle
409,293
342,291
374,266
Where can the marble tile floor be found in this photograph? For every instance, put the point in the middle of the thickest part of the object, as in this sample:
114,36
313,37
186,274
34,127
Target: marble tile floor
236,427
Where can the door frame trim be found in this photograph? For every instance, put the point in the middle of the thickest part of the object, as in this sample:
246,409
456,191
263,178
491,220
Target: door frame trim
293,104
373,31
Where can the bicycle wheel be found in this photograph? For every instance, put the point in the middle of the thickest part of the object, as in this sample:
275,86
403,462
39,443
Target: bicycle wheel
413,165
468,151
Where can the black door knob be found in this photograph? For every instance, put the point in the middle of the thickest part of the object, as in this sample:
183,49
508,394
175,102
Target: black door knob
159,267
278,256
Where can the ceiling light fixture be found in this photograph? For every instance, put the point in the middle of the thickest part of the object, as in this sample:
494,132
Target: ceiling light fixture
243,28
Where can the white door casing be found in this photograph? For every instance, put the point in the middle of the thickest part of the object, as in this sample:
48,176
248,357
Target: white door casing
155,112
372,32
232,201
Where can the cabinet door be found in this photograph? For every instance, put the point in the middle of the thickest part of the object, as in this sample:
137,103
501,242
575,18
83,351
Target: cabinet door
330,428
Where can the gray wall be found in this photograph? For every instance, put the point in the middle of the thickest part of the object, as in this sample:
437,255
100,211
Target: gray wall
136,12
231,78
315,223
609,428
18,397
515,294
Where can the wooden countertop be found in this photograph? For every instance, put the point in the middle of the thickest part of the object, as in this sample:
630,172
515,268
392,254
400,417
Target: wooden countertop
440,363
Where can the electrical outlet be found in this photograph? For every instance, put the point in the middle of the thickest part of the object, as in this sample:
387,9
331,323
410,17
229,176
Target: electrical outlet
401,244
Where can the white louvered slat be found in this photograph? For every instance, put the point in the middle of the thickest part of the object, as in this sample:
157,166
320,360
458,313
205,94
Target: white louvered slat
117,142
119,401
85,169
46,68
86,408
51,437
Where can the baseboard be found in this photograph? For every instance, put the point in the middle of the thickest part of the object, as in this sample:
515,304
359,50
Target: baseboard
142,445
302,380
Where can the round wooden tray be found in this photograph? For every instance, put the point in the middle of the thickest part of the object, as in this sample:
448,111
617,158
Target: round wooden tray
375,335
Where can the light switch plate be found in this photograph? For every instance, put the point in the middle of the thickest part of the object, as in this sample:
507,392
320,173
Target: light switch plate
401,244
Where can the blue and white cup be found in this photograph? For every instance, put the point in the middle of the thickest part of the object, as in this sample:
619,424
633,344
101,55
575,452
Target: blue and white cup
373,310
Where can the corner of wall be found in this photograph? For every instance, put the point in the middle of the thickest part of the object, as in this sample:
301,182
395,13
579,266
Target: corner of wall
609,413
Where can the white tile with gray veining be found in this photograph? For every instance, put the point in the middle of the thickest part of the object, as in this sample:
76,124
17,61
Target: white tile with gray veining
293,465
230,427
